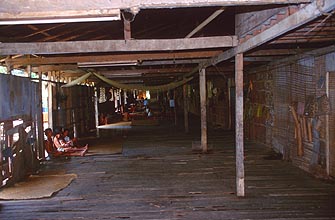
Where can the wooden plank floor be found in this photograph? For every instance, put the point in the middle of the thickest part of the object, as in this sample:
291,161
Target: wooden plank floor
159,177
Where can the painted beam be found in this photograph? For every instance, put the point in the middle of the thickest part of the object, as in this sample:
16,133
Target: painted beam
301,17
117,45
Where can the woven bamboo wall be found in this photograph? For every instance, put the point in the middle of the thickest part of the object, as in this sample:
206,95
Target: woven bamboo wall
289,84
332,122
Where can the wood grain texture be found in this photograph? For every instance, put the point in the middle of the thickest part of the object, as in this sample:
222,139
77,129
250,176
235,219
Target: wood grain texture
159,177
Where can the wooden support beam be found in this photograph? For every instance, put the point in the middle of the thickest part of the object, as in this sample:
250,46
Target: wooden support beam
205,22
117,45
18,15
276,52
175,107
262,58
9,8
111,58
145,71
47,68
43,31
50,118
327,136
203,109
171,62
126,29
239,125
185,99
39,121
301,17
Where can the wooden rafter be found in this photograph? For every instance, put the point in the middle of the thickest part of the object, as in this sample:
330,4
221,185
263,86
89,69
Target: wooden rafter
111,58
301,17
64,33
43,31
63,5
32,27
117,45
205,22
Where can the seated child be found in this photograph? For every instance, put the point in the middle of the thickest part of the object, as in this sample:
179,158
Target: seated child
57,147
67,140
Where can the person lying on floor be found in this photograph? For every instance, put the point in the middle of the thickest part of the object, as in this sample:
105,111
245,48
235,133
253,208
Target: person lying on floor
56,147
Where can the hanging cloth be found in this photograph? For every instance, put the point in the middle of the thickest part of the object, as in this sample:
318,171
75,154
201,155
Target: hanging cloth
77,81
116,84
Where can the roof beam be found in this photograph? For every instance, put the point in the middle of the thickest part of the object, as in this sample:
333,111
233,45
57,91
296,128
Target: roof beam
301,17
64,5
111,58
47,68
10,16
117,45
205,22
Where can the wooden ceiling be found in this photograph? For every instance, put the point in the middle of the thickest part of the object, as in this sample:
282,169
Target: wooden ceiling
146,23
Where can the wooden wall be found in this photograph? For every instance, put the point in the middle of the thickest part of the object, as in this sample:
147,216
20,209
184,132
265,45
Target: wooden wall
73,108
21,140
217,101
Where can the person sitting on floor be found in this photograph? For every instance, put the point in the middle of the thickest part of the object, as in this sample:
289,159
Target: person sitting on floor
48,143
67,140
56,147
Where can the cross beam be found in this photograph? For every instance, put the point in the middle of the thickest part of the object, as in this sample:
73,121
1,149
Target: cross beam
301,17
15,6
117,45
111,58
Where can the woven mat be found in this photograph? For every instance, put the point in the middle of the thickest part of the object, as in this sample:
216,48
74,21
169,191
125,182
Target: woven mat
37,187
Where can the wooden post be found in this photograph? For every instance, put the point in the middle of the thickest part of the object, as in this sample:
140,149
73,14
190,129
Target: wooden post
175,107
29,71
126,29
239,125
185,108
96,111
39,120
202,84
229,106
327,130
50,122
